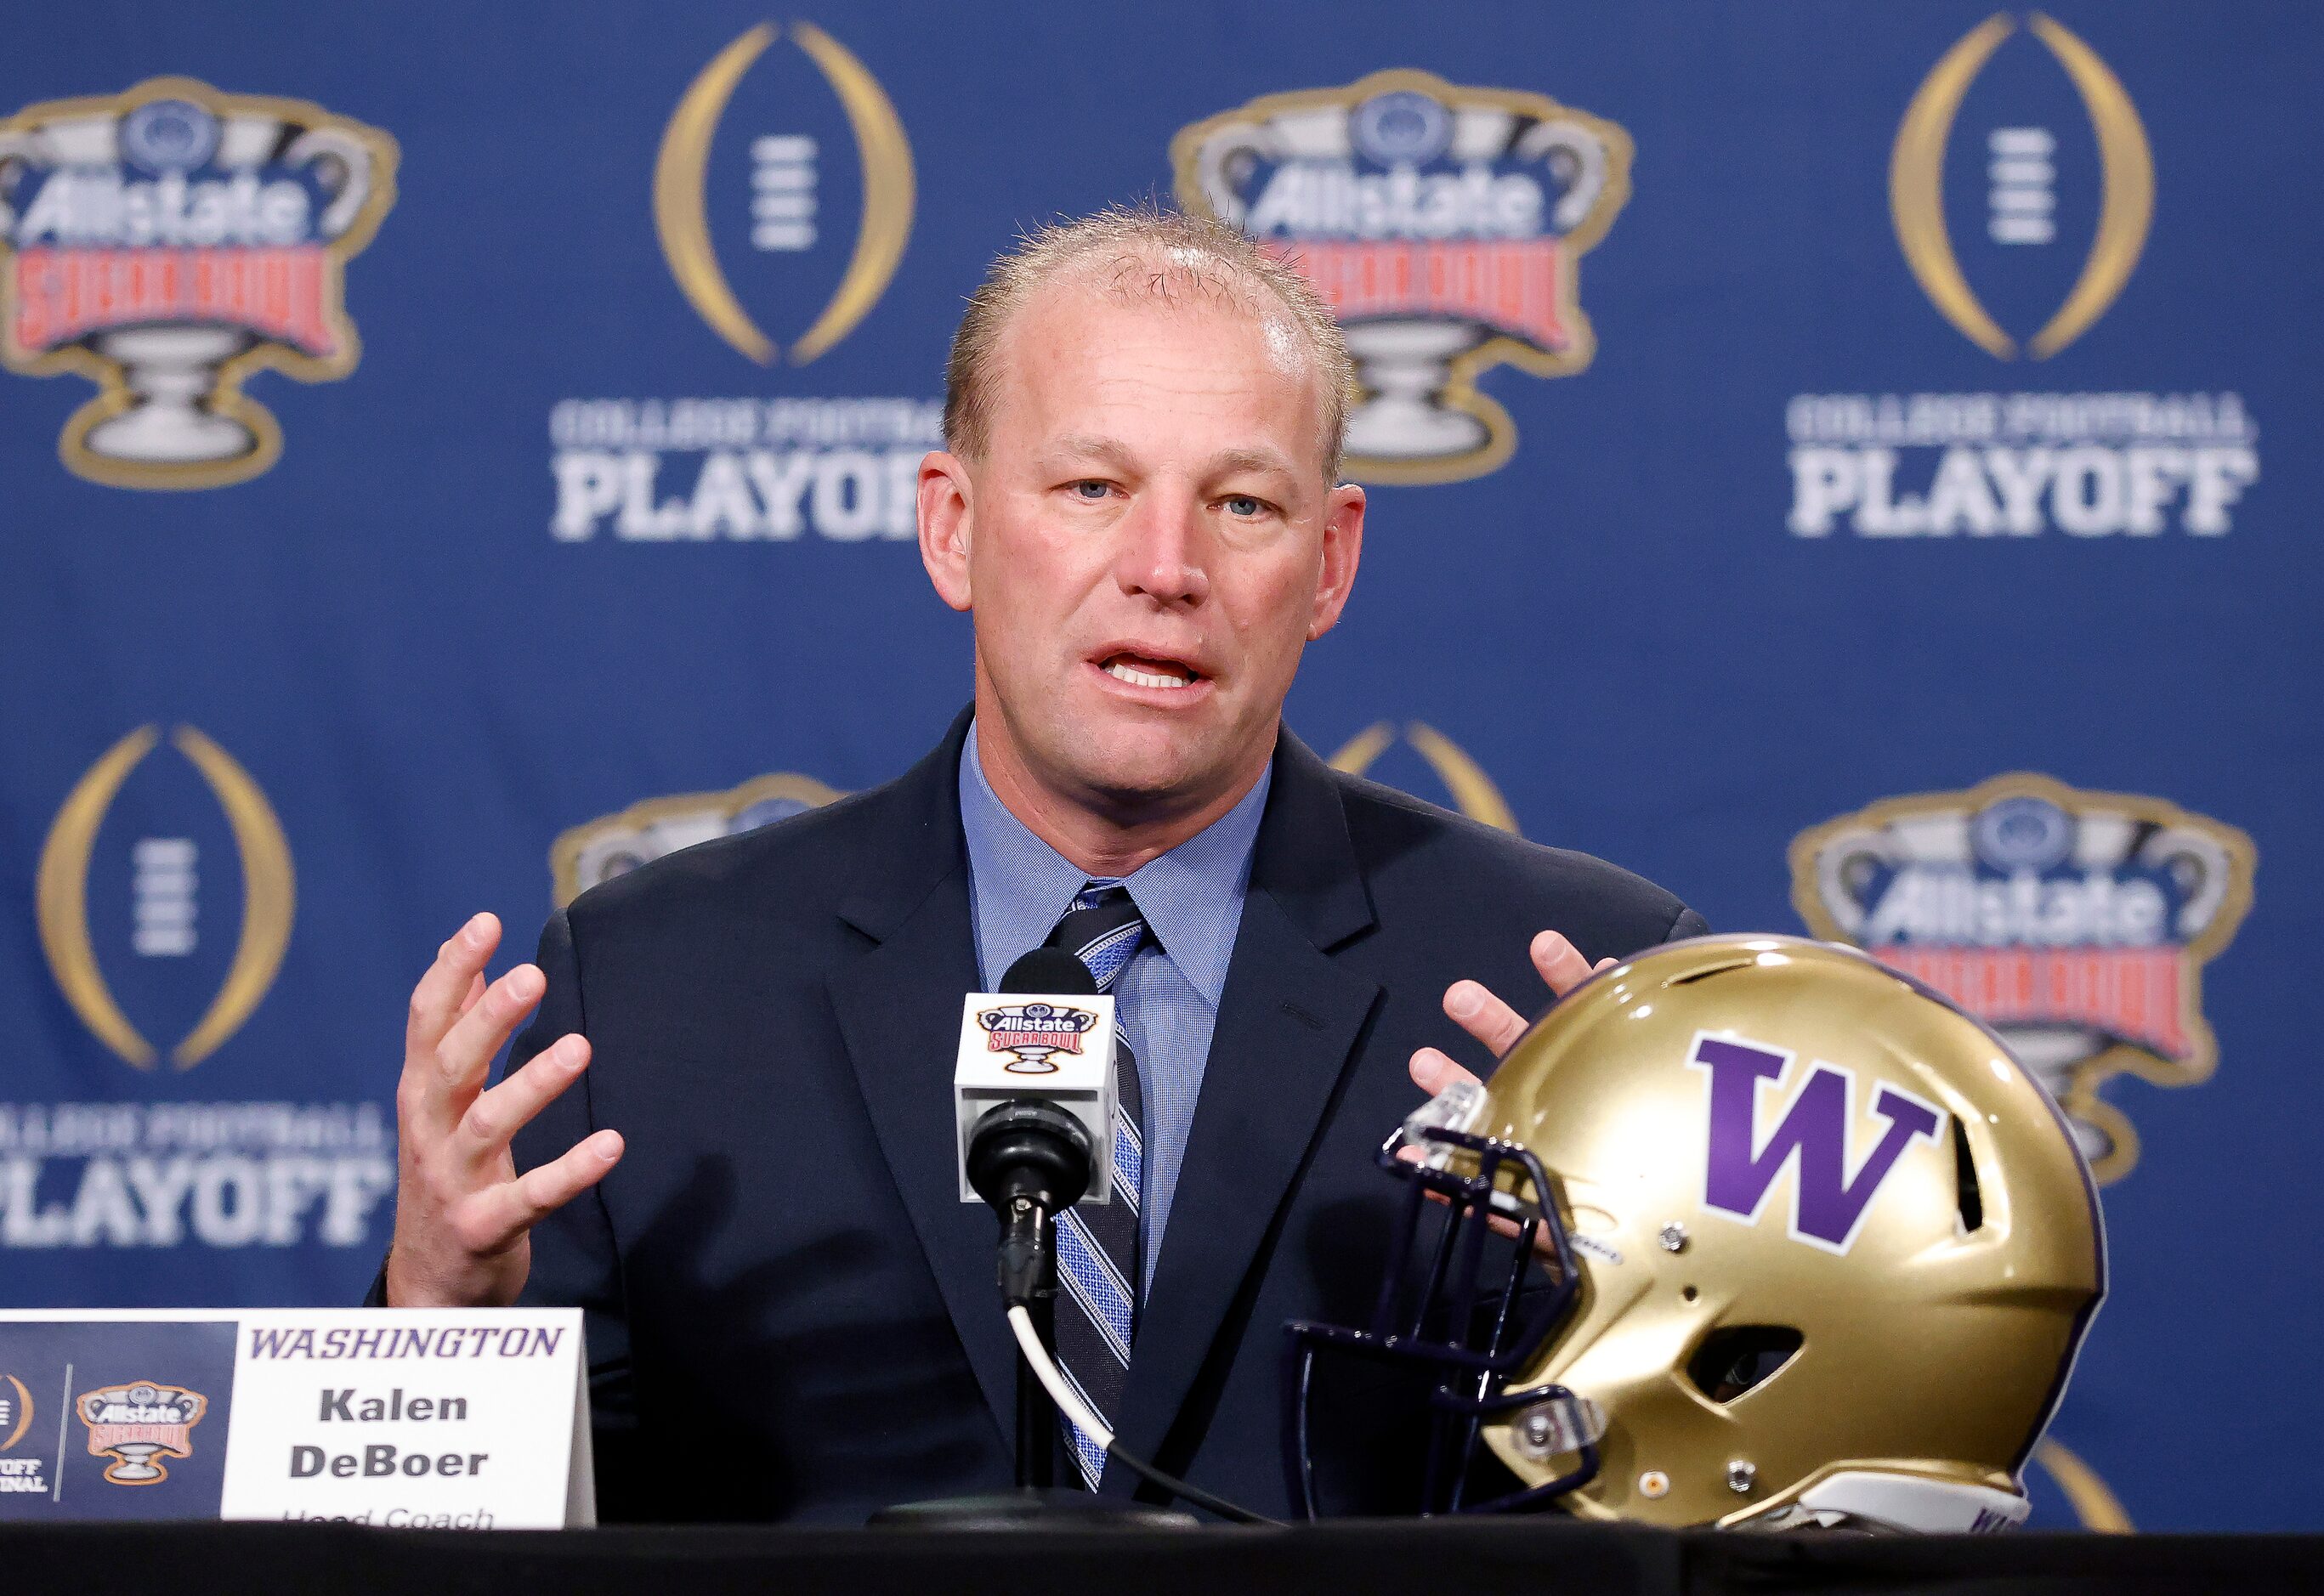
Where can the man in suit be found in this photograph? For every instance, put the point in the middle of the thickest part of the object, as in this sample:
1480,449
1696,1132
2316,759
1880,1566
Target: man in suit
751,1188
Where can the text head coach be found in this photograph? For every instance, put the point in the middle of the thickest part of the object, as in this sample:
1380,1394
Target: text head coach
752,1189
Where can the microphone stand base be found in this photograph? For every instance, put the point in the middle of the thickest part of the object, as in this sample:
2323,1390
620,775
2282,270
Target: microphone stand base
1049,1510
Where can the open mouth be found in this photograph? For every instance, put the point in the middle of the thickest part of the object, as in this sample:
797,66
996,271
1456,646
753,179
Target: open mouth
1145,670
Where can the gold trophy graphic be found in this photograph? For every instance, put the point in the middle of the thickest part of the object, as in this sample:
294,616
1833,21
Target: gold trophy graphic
139,1427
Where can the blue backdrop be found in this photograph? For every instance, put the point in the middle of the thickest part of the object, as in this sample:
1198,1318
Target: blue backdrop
452,455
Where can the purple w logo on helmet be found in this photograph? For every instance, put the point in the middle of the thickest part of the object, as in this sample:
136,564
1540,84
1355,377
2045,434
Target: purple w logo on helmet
1829,1201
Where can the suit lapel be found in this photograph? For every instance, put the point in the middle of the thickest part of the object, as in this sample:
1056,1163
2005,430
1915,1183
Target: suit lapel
898,1013
1288,1022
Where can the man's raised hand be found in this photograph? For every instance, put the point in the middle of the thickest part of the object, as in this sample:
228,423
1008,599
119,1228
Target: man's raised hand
463,1215
1492,1022
1475,1010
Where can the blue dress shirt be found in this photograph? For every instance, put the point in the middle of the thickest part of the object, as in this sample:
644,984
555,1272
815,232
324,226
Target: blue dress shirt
1168,1001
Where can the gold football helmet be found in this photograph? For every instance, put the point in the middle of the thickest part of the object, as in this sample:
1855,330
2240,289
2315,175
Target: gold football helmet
1785,1240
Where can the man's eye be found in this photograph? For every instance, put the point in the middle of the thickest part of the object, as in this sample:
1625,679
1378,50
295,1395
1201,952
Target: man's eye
1244,506
1091,489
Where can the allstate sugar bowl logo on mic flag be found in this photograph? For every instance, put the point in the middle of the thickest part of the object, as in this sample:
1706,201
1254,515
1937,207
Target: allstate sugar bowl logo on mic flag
1035,1033
141,1427
1445,224
2075,924
168,241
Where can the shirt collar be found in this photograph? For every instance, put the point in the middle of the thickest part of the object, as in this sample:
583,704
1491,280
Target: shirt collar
1191,896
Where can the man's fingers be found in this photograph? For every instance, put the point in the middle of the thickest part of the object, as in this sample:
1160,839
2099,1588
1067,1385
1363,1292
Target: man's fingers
1560,963
435,1001
516,1205
468,1048
1492,1022
475,991
508,1108
1483,1016
1433,1071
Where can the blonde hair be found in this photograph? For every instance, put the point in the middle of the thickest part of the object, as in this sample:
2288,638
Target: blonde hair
1145,252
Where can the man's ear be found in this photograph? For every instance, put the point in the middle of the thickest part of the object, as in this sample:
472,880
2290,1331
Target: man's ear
945,515
1344,548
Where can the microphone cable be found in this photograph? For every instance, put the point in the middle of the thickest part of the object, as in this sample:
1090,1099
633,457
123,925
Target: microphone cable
1070,1404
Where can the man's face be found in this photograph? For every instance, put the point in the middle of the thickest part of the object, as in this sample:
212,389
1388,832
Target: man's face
1150,540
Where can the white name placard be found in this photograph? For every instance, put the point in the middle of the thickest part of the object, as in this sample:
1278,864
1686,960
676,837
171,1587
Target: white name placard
418,1418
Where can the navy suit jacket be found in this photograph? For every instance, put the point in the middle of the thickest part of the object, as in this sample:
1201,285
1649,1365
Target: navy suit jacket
790,1313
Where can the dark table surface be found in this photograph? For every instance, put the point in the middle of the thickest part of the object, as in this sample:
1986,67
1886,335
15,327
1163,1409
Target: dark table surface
1406,1557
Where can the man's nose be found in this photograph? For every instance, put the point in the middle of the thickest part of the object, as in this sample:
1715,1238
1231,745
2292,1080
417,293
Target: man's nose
1164,547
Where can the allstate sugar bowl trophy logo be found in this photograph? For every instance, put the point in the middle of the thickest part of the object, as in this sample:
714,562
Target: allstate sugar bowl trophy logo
615,845
140,1425
2075,924
166,244
1445,224
1035,1033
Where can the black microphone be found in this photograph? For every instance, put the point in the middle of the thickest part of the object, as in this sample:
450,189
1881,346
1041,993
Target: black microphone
1035,1136
1050,970
1027,1157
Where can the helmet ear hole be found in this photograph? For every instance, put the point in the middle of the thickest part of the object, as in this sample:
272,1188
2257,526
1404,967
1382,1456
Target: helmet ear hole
1738,1358
1971,1200
1741,961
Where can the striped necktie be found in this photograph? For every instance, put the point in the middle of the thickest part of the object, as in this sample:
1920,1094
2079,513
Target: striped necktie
1098,1261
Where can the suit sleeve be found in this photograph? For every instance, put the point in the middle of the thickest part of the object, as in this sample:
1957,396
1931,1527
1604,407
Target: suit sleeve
576,1263
1687,924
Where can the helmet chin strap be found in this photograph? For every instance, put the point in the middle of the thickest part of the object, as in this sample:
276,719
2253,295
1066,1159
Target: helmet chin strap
1871,1499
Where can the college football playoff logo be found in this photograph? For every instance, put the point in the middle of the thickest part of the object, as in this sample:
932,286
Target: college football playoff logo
15,1411
165,892
166,244
2075,924
786,211
1445,224
21,1475
1465,781
2023,177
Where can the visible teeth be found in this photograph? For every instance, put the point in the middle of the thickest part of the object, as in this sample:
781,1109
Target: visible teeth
1146,678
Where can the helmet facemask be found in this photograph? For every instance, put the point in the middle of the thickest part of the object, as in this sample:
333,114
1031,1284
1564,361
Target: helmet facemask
1481,1278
